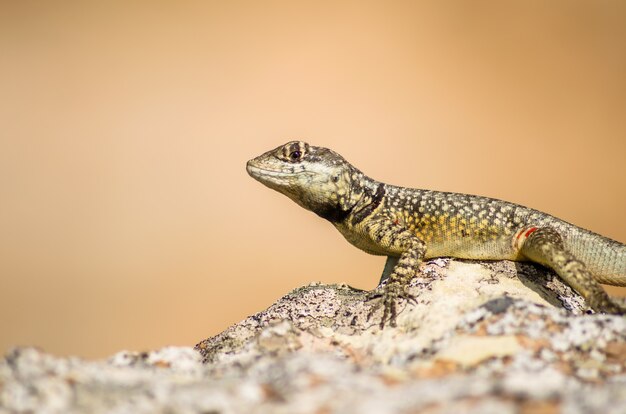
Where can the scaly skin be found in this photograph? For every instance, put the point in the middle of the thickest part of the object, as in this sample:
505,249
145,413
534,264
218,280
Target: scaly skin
410,225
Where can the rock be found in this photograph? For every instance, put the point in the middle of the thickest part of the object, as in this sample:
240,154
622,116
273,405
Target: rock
482,338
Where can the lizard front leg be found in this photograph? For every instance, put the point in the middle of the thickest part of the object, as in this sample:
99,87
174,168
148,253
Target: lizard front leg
390,264
410,250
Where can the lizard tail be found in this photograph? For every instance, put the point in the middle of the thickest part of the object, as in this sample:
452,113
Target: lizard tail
604,257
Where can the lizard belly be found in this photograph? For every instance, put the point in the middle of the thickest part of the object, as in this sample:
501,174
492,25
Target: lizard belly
358,238
494,248
498,249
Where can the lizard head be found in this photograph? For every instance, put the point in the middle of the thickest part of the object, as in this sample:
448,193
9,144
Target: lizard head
316,178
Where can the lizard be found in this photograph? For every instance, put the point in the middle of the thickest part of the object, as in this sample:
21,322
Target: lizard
411,225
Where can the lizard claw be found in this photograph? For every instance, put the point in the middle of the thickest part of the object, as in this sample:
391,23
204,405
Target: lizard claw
374,294
409,298
387,298
605,304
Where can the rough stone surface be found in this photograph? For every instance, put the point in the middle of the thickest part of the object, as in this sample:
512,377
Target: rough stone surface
482,338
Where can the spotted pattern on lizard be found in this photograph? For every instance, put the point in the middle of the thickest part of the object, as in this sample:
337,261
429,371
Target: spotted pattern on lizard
409,225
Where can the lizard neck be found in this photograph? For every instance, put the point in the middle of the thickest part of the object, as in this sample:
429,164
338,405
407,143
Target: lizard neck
372,193
356,202
362,198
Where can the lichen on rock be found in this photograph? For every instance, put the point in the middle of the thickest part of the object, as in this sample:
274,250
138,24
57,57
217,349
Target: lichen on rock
483,337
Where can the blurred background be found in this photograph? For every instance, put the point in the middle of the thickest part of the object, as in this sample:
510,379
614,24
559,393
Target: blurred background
127,219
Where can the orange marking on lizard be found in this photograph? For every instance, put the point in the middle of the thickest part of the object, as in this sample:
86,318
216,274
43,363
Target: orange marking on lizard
530,231
525,232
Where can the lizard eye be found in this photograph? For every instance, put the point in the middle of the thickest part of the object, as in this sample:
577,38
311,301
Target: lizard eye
294,151
295,155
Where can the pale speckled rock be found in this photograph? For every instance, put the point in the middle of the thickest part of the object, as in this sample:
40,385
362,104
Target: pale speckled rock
483,338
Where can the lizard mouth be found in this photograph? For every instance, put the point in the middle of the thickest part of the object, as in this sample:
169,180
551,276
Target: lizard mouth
254,171
278,180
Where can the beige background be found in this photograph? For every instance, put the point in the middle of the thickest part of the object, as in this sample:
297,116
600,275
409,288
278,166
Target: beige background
127,219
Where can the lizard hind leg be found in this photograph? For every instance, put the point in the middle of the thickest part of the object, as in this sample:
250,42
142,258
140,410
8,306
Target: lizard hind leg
544,245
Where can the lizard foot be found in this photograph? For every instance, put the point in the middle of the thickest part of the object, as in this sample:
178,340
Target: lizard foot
606,304
387,297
